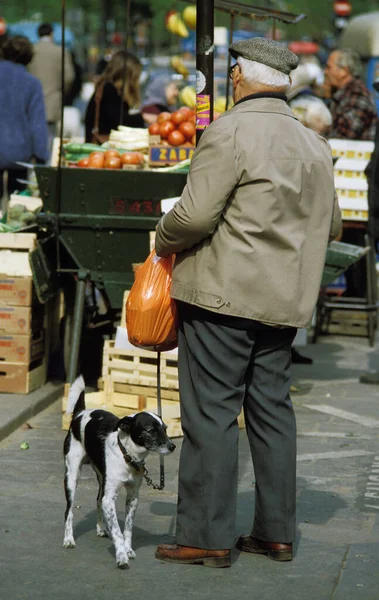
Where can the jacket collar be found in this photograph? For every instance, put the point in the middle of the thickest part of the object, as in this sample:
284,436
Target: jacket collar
277,95
273,102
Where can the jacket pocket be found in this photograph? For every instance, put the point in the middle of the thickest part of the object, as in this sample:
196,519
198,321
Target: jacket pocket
209,300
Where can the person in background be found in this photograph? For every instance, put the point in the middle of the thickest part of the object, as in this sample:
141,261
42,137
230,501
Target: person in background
354,117
23,129
314,114
161,95
302,90
111,98
249,233
351,103
3,39
75,88
47,67
318,118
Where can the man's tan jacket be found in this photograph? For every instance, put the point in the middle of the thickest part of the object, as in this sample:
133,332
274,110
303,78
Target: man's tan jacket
46,66
252,226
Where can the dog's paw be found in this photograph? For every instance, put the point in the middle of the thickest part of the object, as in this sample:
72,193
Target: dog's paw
69,543
130,553
101,532
122,561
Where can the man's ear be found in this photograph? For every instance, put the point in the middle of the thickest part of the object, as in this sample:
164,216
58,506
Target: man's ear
124,424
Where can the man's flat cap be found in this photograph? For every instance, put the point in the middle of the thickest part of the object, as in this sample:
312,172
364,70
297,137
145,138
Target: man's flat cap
266,51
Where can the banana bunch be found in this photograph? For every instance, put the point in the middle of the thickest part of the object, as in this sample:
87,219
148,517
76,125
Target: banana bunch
178,66
187,96
175,25
219,104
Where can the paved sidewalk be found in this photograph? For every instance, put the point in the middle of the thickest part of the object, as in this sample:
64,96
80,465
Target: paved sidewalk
337,545
15,409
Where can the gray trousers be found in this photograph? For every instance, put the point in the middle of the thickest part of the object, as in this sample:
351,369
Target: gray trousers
226,363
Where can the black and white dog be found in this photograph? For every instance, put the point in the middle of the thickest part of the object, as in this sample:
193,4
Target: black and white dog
116,449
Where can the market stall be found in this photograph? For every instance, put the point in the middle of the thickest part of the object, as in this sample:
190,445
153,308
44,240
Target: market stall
95,222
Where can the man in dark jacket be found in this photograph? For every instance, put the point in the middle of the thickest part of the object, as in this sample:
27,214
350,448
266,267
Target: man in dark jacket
23,130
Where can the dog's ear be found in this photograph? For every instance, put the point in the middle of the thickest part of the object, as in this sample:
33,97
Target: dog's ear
124,424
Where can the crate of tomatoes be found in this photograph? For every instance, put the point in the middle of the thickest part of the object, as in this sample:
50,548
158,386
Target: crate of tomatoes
172,138
91,156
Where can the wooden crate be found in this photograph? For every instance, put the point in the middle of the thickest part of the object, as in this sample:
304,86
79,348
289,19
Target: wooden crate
17,378
138,367
123,404
21,319
92,399
346,322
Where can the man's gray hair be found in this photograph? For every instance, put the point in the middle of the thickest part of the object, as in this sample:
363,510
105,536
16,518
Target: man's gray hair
350,59
255,72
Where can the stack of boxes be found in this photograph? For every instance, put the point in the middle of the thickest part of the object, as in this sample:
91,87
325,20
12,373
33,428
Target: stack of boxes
22,344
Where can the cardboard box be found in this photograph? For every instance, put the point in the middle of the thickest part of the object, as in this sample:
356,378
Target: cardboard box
22,379
16,291
21,319
21,348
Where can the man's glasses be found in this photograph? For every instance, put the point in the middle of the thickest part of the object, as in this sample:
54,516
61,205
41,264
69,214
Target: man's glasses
231,69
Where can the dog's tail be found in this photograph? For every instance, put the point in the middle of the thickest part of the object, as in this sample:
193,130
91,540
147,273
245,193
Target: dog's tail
75,400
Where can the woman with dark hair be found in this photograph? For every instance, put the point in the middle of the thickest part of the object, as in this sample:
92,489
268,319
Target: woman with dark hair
112,97
23,131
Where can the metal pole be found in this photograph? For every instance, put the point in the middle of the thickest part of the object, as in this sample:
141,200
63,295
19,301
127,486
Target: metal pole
229,60
159,409
58,185
204,65
126,38
76,328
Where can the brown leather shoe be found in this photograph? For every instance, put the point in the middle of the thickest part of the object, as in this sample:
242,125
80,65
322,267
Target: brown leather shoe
192,556
274,550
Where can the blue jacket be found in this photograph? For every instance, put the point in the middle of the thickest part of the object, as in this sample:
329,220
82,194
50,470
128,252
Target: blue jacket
23,128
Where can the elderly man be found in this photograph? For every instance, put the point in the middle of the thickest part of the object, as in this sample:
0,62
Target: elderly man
354,117
250,234
352,106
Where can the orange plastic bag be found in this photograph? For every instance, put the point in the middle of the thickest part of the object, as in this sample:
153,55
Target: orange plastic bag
151,317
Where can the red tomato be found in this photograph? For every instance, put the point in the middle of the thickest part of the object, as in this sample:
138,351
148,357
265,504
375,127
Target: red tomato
186,110
111,152
176,138
188,129
132,158
83,163
96,160
154,129
165,129
178,117
112,162
164,116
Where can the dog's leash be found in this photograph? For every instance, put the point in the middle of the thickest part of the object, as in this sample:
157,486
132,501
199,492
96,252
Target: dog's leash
159,409
140,466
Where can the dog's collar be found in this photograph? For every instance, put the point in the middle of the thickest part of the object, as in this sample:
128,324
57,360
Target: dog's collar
138,466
